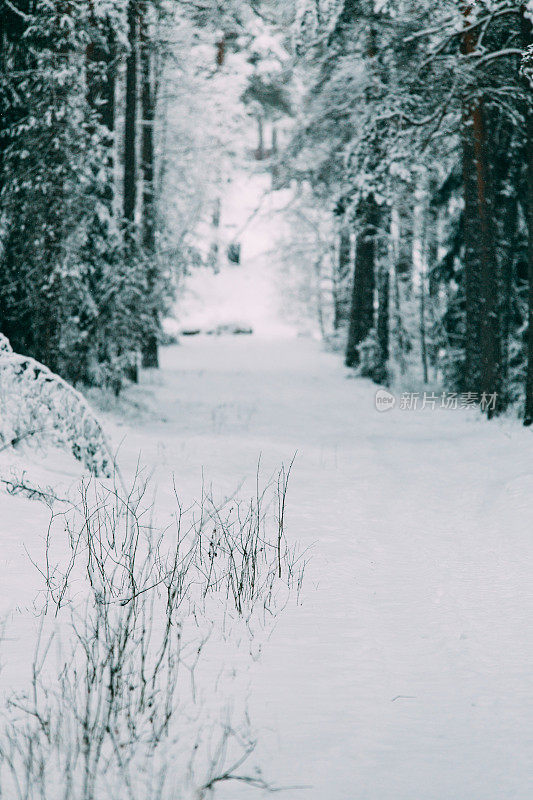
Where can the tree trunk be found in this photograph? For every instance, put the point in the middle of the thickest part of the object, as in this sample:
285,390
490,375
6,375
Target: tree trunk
214,251
260,151
221,52
482,345
319,303
423,331
527,36
362,306
383,325
398,337
130,144
342,277
528,416
130,122
150,352
508,235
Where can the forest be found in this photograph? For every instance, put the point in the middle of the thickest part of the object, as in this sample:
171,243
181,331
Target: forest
232,232
404,129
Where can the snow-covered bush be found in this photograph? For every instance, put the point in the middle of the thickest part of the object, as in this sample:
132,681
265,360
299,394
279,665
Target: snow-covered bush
36,404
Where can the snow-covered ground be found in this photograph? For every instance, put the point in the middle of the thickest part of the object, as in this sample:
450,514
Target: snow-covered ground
407,671
269,290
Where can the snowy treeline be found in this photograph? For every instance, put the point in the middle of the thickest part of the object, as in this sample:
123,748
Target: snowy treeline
121,122
416,135
74,266
104,128
402,129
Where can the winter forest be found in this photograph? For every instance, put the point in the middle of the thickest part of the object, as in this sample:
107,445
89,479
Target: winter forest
266,397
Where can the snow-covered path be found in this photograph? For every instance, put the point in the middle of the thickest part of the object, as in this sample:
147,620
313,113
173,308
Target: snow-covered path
407,673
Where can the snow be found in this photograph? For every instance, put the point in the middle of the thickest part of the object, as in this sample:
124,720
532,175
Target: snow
245,295
406,670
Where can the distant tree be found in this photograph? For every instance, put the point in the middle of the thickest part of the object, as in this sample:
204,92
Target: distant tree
342,274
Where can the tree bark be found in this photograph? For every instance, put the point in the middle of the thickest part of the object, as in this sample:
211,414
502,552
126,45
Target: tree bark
130,121
260,151
422,327
527,37
528,416
383,324
482,344
362,305
150,349
342,277
130,143
215,233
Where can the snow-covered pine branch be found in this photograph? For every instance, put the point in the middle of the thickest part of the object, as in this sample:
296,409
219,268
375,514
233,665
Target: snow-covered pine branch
37,404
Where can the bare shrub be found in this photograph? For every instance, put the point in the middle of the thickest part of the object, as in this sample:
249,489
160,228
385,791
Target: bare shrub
114,710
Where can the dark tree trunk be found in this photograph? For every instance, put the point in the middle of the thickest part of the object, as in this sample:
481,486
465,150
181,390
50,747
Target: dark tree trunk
404,263
432,238
260,151
221,52
362,306
482,344
341,291
527,36
130,129
215,225
507,234
383,325
422,328
150,351
528,417
398,336
130,144
274,147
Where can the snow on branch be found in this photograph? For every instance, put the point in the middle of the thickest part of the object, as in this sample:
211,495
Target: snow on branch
37,404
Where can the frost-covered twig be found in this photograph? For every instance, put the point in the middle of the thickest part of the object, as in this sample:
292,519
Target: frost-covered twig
19,484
